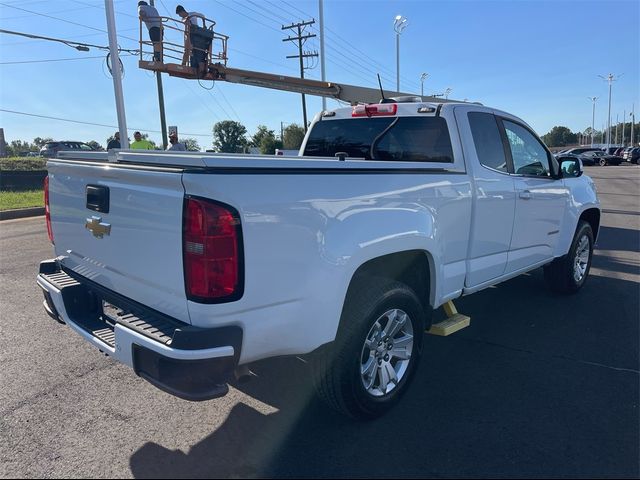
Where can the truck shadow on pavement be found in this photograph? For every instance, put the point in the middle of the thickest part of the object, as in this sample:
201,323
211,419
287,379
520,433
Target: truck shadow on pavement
539,385
615,238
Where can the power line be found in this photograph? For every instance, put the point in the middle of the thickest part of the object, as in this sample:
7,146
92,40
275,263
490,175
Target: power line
224,97
69,43
215,114
53,60
279,18
247,16
93,124
66,21
78,36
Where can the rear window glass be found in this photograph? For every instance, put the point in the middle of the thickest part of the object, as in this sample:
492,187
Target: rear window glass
402,139
487,140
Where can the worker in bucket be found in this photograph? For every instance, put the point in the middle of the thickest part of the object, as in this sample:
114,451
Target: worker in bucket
151,18
191,26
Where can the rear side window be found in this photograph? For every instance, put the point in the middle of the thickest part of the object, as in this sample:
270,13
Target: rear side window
488,142
402,139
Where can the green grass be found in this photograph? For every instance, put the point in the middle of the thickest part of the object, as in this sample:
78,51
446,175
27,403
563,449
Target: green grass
27,198
23,163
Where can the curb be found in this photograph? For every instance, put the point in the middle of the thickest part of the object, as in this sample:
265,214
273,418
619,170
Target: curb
21,213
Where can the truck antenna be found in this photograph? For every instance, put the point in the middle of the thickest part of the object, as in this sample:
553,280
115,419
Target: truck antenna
381,91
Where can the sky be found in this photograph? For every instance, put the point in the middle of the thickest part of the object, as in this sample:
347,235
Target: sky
539,60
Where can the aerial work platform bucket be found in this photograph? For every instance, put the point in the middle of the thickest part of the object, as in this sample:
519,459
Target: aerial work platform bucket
201,47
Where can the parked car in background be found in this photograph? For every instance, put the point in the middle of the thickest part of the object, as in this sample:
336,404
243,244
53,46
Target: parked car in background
598,157
631,154
51,149
579,150
610,150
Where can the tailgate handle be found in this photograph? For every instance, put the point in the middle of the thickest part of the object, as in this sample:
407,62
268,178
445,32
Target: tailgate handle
98,198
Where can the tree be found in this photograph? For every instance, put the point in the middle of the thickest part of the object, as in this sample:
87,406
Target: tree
229,136
39,141
95,145
560,137
293,136
261,133
269,144
19,148
191,144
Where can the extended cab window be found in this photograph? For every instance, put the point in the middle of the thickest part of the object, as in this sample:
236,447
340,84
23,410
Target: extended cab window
402,139
529,156
487,140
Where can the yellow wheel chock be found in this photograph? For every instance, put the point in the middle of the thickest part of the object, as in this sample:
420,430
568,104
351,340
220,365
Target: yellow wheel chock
455,321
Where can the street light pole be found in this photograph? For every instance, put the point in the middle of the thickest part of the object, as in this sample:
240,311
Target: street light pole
633,120
423,77
116,74
447,92
609,78
399,24
593,118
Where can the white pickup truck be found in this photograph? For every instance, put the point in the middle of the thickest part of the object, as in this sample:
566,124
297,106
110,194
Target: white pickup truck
187,267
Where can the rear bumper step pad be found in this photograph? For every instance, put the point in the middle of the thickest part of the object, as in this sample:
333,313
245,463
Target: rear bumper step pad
189,362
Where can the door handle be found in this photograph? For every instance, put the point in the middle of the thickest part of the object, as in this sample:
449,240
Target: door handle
526,195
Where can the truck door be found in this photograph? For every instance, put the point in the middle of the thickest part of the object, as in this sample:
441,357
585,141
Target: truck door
493,198
540,199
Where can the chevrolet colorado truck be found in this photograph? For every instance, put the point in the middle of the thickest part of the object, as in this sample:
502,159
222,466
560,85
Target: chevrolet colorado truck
188,267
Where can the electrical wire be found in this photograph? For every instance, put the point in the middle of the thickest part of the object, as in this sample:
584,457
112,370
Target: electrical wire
94,124
65,21
69,43
52,60
247,16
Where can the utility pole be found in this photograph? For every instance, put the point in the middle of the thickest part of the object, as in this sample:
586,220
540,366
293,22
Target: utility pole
593,118
116,73
624,124
163,119
301,39
322,69
617,123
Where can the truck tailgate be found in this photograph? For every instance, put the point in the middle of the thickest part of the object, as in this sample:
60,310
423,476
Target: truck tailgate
134,249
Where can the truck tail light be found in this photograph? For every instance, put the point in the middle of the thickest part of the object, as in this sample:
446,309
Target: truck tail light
212,252
47,209
375,110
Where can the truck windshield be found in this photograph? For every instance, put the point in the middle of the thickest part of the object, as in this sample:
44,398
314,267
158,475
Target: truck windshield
402,139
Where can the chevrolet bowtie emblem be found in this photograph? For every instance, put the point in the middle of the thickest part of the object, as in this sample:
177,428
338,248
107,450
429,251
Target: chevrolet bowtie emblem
97,228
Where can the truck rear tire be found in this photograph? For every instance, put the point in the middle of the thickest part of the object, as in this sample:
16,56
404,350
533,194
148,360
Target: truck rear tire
569,273
369,366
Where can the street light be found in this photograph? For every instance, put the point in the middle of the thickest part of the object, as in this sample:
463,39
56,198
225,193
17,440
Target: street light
423,77
609,78
399,24
447,92
593,117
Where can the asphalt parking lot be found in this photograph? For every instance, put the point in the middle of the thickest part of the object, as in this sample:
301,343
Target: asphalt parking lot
539,385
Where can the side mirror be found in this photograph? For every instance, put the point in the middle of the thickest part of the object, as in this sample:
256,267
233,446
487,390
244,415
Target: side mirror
570,167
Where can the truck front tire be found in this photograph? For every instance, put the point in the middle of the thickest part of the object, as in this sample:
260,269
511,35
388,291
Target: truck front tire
569,273
369,366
